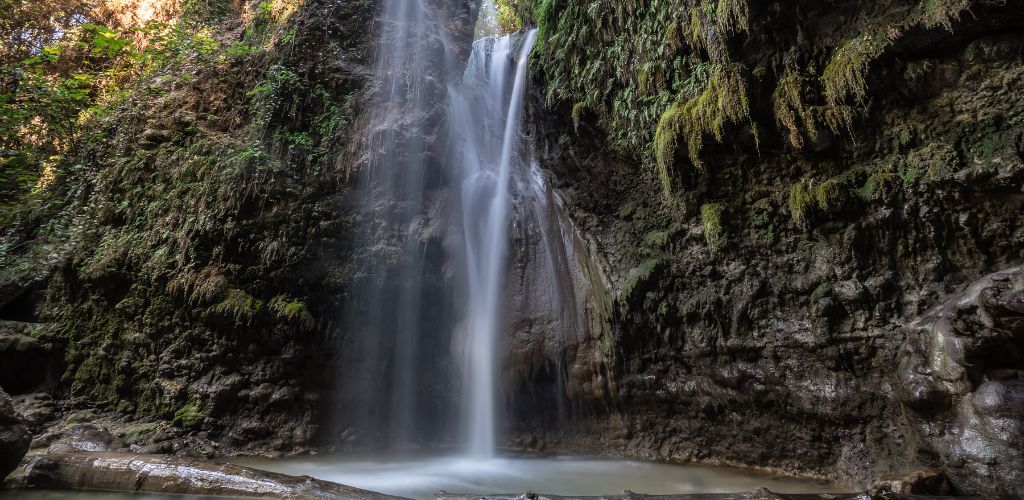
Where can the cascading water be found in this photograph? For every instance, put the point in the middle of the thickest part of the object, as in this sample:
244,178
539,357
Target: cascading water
399,308
485,118
442,176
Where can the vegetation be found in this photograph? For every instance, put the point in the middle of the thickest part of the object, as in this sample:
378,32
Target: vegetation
190,415
821,291
655,76
292,310
155,172
636,278
791,113
714,233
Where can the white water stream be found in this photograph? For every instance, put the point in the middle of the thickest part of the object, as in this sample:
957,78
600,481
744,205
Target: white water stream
485,118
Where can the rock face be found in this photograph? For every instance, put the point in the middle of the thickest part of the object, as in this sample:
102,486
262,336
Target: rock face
14,437
959,378
750,325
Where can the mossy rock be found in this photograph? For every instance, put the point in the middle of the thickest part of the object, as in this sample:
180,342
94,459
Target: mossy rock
190,415
714,230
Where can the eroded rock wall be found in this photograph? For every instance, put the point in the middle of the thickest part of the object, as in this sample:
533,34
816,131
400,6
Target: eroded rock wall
762,295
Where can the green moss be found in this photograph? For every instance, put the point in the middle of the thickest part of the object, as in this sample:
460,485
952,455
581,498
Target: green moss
876,183
759,212
291,310
909,172
636,277
239,306
823,290
666,143
790,112
826,197
190,415
714,233
578,110
829,194
723,101
137,433
657,239
627,210
801,199
845,77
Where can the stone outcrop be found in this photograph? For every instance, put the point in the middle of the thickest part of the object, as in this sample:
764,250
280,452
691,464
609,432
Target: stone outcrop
14,437
960,380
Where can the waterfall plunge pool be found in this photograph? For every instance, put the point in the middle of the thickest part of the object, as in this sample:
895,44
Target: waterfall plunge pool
421,476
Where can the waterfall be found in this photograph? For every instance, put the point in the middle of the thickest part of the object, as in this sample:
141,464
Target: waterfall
398,309
443,172
485,120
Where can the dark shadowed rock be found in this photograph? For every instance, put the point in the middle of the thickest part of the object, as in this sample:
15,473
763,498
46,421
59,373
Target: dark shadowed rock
920,482
14,437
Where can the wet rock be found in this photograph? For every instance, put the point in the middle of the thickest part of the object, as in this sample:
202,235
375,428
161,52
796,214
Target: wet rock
85,437
178,476
960,375
919,482
14,437
37,408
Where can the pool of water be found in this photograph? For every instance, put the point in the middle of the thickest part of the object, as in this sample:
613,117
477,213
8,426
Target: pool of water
422,477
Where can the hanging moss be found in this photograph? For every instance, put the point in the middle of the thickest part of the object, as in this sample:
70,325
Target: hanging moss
666,143
291,310
801,198
714,233
722,102
845,77
790,111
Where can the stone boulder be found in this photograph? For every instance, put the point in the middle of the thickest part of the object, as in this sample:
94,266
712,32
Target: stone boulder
961,378
14,437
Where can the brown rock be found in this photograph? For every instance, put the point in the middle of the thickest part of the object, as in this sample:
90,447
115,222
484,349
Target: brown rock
919,482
